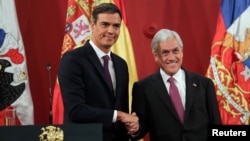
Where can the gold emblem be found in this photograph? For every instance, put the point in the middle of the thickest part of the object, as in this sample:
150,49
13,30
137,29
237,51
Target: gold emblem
51,133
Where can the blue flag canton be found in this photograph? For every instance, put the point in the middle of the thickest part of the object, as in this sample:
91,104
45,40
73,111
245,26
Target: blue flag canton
232,9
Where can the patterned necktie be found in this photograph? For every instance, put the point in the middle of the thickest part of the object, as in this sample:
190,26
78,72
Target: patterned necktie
176,99
106,68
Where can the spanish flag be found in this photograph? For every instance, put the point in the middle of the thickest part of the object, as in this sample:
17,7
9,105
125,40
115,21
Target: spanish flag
78,31
230,61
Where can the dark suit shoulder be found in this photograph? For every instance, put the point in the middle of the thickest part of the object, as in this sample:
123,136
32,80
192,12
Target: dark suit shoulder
119,63
82,51
118,58
198,78
150,78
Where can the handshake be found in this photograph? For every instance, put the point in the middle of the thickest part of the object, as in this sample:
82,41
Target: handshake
131,121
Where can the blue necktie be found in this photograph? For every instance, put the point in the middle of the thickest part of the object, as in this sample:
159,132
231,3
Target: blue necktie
176,99
106,68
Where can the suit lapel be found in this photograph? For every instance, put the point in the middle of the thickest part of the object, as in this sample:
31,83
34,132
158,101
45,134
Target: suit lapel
162,92
191,86
118,74
93,58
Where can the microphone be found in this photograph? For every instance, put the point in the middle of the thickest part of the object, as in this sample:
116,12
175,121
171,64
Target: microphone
50,93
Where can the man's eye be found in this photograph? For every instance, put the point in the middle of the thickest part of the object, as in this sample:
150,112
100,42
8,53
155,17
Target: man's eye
164,53
176,51
116,26
104,24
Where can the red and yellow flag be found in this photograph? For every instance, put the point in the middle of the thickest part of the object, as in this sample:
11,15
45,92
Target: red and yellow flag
78,31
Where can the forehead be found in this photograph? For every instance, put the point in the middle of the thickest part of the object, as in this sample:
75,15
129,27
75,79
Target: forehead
109,17
169,43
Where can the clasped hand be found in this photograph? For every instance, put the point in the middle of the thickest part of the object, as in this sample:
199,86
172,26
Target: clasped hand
131,121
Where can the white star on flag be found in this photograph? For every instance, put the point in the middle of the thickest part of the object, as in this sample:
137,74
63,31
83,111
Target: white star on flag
246,73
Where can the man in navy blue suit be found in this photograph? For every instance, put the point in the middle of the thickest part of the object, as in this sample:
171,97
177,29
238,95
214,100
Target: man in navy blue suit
152,102
87,94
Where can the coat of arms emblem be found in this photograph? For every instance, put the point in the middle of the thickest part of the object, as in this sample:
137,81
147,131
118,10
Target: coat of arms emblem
51,133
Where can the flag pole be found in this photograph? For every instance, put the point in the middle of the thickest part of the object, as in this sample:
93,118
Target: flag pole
50,93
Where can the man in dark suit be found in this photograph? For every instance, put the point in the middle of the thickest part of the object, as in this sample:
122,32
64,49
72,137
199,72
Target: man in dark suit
88,95
152,96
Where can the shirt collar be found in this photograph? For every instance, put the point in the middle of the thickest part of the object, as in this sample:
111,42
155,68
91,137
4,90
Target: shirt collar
178,76
99,52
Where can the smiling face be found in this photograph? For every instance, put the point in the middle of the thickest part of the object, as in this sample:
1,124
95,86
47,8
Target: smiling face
169,55
106,30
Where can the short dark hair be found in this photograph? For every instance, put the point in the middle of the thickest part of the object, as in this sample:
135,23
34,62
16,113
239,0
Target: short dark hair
105,8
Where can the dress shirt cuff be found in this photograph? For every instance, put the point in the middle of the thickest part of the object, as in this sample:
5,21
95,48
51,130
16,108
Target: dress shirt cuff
114,116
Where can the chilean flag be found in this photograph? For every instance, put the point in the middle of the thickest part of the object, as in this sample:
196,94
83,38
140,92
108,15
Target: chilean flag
14,84
230,62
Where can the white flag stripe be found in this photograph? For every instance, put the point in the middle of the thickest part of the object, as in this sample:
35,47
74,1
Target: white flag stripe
12,41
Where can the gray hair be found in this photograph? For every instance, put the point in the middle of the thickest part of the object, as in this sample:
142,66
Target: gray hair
162,35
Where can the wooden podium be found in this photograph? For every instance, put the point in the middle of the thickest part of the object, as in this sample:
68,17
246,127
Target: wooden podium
72,132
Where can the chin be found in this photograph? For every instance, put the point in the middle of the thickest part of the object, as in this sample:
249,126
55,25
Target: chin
109,43
171,71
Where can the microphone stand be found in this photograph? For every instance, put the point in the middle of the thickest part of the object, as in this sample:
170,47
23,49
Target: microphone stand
50,93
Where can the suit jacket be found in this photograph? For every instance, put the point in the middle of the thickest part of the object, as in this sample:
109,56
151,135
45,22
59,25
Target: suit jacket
157,115
86,95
